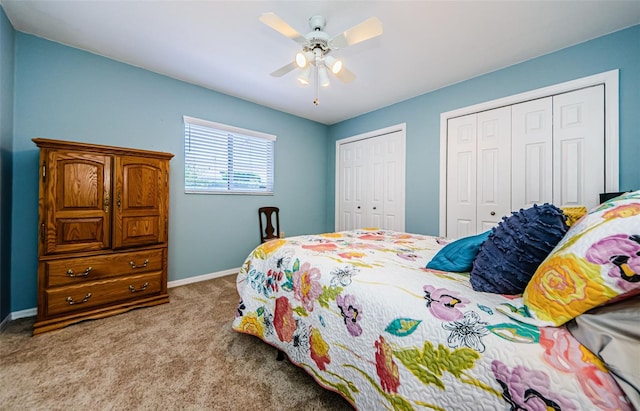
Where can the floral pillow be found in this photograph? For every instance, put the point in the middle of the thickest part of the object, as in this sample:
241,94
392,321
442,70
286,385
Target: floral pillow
597,262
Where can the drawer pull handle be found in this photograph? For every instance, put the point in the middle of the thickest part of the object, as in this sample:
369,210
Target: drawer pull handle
84,300
70,272
133,265
135,290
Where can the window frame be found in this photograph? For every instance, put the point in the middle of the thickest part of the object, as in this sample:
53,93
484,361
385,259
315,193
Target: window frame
233,133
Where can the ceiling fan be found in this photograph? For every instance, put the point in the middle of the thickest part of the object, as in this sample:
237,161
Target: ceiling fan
317,46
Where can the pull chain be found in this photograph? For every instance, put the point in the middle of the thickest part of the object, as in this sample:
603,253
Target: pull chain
316,85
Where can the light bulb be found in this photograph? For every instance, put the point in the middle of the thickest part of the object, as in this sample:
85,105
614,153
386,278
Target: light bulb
301,60
303,77
334,64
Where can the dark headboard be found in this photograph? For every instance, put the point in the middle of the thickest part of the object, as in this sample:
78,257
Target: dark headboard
608,196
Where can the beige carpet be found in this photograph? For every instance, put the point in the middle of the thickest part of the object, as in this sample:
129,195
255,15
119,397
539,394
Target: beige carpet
177,356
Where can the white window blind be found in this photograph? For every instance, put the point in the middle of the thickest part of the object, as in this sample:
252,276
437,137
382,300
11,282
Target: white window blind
223,159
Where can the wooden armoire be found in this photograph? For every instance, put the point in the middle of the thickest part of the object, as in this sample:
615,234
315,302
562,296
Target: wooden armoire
103,229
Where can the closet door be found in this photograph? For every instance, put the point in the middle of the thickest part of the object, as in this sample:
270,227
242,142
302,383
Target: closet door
493,192
371,183
351,185
461,176
478,171
578,146
532,148
385,205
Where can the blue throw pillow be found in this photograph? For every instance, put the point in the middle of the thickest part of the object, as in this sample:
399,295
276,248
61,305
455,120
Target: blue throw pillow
516,247
458,256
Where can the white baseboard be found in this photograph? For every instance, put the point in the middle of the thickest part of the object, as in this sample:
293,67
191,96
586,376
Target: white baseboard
4,322
31,312
203,277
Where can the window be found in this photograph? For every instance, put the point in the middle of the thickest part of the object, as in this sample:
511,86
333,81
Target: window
221,159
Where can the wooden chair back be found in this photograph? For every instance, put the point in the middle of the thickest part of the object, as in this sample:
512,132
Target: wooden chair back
268,228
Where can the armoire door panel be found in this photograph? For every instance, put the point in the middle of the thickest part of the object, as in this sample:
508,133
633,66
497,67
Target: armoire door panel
140,229
532,153
76,193
578,138
79,230
80,188
141,186
139,209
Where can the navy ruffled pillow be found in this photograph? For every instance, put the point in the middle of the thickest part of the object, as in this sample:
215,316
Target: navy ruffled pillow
458,256
517,246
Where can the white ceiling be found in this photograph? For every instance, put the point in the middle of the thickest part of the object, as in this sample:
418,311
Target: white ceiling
223,46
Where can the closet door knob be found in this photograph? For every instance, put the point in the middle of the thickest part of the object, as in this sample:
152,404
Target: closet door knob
375,208
493,213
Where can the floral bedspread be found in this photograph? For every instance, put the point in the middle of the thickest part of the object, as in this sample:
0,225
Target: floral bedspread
360,313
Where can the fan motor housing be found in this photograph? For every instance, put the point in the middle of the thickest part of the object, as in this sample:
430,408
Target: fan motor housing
317,23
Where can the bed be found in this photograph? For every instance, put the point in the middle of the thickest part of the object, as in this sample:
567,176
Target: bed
361,313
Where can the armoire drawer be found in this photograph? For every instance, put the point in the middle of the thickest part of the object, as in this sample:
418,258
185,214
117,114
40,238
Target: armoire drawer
93,294
82,269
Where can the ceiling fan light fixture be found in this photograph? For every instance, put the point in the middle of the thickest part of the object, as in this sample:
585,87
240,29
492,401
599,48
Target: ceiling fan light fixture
301,60
303,77
323,75
334,64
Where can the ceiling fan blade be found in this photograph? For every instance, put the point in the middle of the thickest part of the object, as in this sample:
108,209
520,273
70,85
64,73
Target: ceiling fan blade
364,31
284,69
282,27
345,75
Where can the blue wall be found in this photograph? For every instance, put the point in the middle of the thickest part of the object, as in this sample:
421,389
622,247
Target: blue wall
6,144
620,50
65,93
